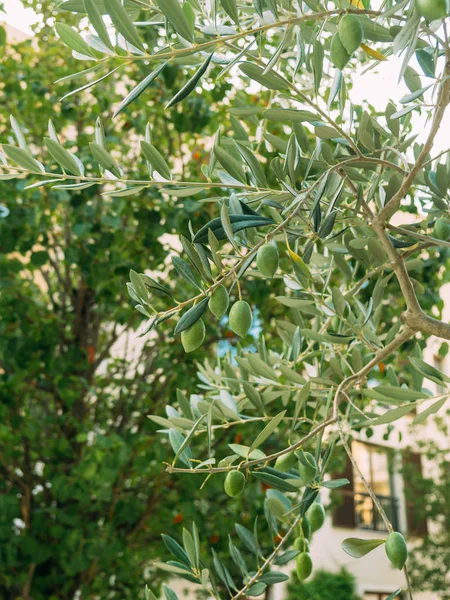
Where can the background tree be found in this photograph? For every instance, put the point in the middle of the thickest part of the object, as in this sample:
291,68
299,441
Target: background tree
341,585
80,481
430,558
308,185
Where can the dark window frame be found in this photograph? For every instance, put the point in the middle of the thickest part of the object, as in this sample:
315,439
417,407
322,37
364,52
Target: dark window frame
345,512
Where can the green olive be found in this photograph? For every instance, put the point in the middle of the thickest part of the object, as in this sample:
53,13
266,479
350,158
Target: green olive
432,10
234,483
351,33
193,337
338,54
304,565
267,260
241,318
316,516
396,549
441,229
218,303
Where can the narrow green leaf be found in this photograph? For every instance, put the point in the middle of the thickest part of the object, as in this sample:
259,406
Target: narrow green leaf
188,438
317,61
270,80
333,484
191,316
90,84
286,557
23,158
105,159
176,17
358,548
238,223
256,589
428,371
414,95
191,84
230,164
177,441
96,20
267,431
168,592
189,546
431,410
174,548
272,577
261,368
62,157
275,482
156,159
394,594
393,415
73,39
185,270
253,163
18,133
138,90
247,538
123,23
230,7
254,396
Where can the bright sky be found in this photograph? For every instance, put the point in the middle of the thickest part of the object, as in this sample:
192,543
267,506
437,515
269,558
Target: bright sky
18,16
375,86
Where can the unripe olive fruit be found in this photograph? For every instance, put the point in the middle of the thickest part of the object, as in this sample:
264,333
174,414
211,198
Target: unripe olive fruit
316,516
267,260
286,462
351,33
431,10
301,544
396,549
338,54
307,467
241,318
193,337
441,229
304,565
218,303
306,528
234,483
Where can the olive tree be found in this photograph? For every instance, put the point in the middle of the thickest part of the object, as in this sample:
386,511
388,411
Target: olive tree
310,194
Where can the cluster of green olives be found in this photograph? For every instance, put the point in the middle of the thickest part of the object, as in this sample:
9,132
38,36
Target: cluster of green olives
346,40
315,515
311,522
240,317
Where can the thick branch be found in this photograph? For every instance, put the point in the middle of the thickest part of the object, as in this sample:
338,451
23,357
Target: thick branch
414,317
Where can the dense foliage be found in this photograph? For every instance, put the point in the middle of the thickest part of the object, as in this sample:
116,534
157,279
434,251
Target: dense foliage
301,193
81,476
324,584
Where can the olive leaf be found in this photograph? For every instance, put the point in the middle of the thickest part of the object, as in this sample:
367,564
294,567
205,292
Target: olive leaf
238,222
123,23
138,90
267,431
358,548
191,316
176,17
191,84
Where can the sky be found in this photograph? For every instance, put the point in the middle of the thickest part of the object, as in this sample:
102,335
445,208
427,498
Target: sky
18,16
376,86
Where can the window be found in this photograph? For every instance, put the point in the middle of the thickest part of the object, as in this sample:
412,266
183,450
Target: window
375,463
378,596
354,507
